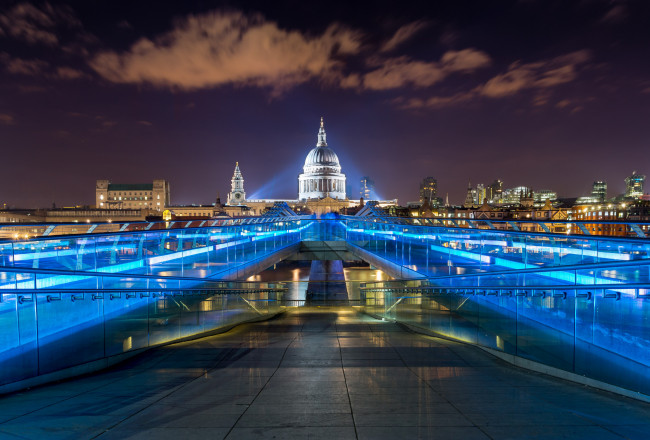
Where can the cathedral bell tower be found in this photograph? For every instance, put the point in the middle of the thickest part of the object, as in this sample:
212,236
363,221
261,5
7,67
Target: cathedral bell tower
237,195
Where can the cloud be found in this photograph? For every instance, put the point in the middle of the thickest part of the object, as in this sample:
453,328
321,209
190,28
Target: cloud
68,73
434,101
7,119
40,68
20,66
540,76
145,123
615,15
563,103
219,48
34,24
537,75
403,34
402,71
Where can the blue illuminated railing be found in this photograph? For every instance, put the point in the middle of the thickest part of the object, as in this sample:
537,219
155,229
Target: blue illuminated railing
593,323
200,252
620,228
24,231
209,251
433,251
96,319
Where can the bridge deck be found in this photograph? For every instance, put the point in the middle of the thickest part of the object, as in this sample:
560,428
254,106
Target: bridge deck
319,373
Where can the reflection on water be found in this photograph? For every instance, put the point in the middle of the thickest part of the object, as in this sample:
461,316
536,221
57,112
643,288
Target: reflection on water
296,275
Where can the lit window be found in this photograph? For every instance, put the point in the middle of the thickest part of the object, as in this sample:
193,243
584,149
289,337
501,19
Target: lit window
101,197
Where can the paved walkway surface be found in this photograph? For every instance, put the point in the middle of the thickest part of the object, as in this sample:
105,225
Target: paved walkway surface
319,373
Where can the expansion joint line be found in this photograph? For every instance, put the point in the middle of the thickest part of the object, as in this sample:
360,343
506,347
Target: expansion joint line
345,380
432,388
284,353
208,370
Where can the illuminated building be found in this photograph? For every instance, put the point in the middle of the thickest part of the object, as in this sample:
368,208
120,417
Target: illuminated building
469,197
321,177
479,194
542,195
428,190
237,195
599,190
516,196
151,196
494,192
602,212
598,193
634,185
367,188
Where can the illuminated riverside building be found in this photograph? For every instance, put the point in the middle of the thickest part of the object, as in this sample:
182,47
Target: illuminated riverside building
148,196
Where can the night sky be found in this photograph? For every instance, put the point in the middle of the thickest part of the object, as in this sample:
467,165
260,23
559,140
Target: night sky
548,94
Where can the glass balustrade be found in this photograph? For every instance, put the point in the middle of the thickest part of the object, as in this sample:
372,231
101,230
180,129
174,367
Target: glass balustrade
48,328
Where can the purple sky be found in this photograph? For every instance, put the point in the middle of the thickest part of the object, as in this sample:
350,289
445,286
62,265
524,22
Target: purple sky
548,94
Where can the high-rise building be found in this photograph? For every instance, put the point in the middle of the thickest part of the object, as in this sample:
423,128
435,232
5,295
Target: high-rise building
494,192
634,185
514,196
428,190
237,195
367,188
542,195
154,196
599,191
479,194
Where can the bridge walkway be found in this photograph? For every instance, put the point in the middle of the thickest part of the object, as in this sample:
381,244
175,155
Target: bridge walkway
319,373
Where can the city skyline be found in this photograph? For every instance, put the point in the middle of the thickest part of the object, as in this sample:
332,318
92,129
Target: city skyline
105,91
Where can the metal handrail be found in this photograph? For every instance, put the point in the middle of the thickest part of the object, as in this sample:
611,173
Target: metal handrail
111,274
186,227
614,286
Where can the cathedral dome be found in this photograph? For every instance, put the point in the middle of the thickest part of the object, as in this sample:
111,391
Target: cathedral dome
322,156
321,175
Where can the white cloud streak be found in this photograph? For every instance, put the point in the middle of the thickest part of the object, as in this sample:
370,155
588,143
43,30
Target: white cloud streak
401,71
540,76
403,34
